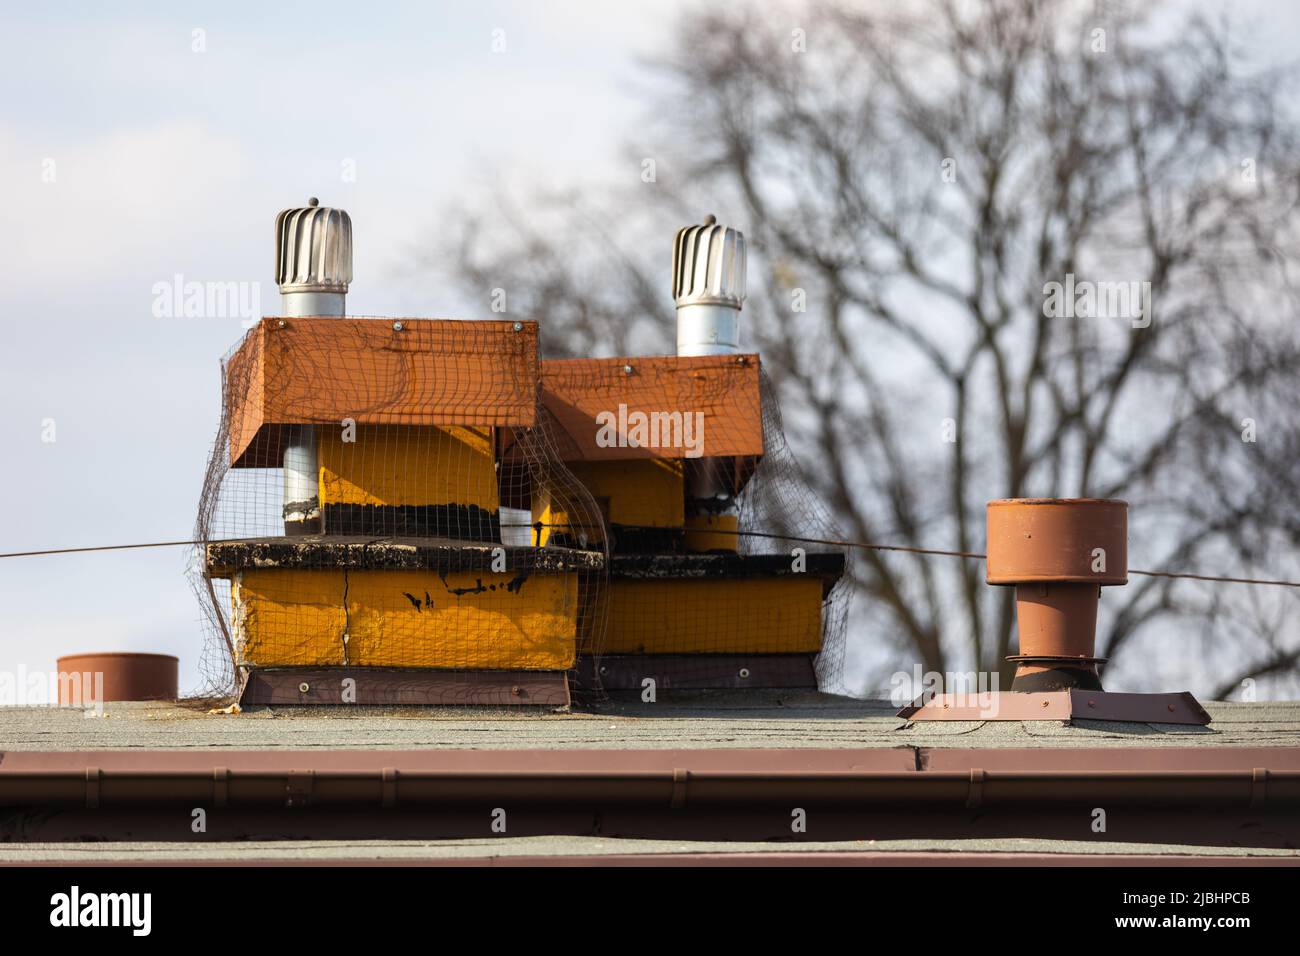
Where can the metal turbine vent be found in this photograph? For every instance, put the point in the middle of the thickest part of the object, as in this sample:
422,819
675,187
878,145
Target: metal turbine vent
313,258
709,265
313,249
709,288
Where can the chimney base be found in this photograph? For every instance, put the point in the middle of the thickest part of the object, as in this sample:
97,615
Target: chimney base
1057,624
1060,705
1055,673
1057,553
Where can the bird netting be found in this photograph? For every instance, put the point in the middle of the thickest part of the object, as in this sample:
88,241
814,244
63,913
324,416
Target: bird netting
711,583
397,501
781,513
356,512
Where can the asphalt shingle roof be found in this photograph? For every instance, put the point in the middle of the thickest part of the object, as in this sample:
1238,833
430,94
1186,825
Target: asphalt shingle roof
688,721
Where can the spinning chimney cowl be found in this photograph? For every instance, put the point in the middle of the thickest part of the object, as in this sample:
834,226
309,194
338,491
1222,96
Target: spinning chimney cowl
313,259
709,288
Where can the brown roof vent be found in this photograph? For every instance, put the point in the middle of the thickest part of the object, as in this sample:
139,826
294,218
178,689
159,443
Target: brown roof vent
1058,553
98,678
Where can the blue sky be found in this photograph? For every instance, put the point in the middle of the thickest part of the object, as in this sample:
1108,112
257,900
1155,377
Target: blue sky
169,161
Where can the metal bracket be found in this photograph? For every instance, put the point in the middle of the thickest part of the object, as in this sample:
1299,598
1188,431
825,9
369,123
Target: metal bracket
698,671
394,686
93,777
220,787
680,779
297,788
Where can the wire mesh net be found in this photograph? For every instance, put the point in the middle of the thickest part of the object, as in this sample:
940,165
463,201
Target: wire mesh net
425,495
711,584
358,510
781,513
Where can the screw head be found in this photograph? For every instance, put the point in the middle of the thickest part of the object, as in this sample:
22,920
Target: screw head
518,326
397,326
304,687
281,323
744,673
627,369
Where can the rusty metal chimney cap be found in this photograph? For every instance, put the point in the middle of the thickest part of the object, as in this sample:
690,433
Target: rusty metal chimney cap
709,265
313,249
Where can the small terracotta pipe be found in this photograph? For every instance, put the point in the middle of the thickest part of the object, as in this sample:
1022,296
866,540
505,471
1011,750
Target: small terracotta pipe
85,679
1057,553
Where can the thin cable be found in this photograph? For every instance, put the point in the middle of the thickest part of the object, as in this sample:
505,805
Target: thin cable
834,542
978,556
104,547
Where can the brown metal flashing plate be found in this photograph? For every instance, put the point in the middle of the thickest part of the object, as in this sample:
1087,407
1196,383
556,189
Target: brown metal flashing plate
376,685
723,388
1180,708
298,371
698,671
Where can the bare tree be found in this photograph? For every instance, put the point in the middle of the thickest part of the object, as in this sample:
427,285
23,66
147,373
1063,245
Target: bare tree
924,186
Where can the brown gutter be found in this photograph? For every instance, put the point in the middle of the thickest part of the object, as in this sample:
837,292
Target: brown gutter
1229,777
818,858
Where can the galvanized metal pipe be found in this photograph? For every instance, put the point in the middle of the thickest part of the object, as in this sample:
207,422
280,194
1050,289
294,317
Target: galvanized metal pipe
313,268
303,304
301,483
706,329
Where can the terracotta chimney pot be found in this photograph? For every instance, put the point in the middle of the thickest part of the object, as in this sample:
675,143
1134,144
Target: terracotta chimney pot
1058,553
